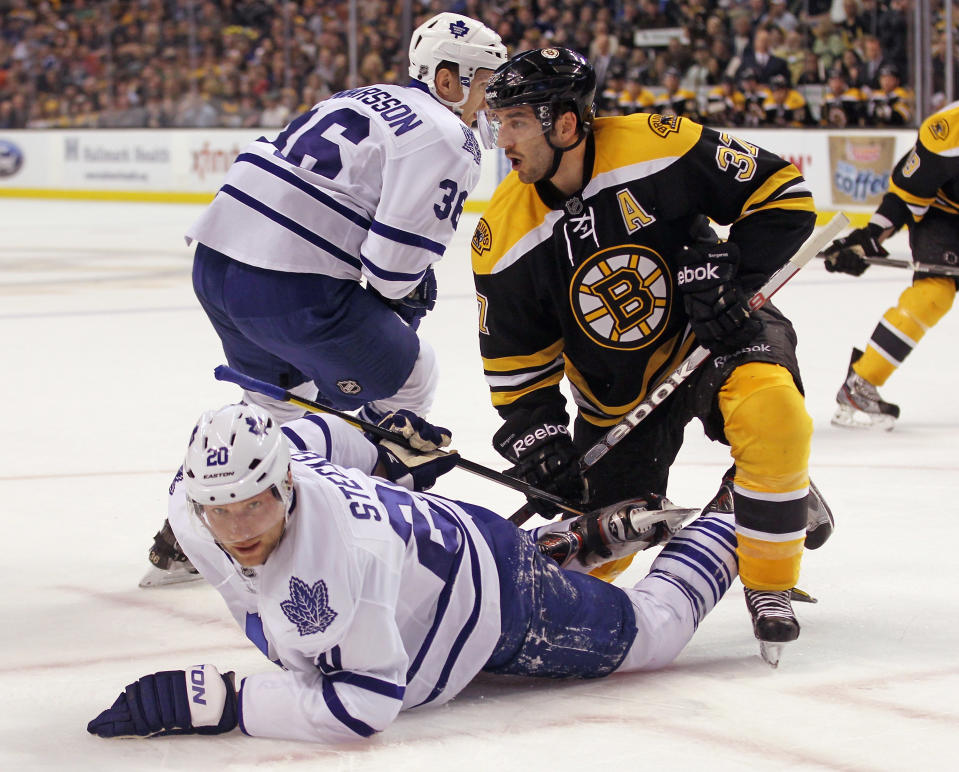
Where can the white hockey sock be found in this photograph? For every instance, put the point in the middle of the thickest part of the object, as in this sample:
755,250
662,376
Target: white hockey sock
685,582
417,393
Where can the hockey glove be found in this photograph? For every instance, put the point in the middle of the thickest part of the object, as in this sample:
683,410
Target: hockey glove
846,255
543,455
196,701
413,306
416,469
717,306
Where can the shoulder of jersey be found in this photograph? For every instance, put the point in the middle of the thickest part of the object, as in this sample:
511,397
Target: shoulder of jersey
632,139
939,133
513,211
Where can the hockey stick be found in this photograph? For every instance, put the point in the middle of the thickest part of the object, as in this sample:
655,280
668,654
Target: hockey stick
225,373
942,270
668,385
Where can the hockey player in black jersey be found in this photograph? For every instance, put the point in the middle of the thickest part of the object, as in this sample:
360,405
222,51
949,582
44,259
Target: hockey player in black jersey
593,262
923,195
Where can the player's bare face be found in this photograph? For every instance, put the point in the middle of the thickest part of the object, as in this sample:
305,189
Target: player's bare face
520,134
477,96
249,530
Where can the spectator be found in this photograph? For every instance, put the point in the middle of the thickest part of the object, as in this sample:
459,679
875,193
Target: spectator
780,16
673,100
872,61
725,104
827,43
754,97
893,34
812,71
842,106
890,104
785,106
761,60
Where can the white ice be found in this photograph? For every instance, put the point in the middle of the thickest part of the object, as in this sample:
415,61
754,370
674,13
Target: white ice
108,360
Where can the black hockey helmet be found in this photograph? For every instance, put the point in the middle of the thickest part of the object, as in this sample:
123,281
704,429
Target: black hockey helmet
556,79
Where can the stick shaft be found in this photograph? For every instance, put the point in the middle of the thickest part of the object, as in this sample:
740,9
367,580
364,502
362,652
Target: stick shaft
688,366
225,373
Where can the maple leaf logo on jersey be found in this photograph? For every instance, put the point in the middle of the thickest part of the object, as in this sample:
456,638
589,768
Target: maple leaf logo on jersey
308,607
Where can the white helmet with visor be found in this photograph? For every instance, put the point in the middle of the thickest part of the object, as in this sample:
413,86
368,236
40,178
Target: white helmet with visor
235,454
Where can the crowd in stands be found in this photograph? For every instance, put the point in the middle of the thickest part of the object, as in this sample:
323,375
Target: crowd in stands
246,63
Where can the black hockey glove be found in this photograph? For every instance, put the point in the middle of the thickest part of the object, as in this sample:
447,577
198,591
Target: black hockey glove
543,455
846,255
413,306
717,306
196,701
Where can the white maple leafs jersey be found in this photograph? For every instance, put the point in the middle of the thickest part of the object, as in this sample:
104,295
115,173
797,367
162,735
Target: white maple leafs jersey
370,182
376,600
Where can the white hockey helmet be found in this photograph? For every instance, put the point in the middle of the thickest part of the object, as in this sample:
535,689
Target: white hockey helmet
234,454
450,37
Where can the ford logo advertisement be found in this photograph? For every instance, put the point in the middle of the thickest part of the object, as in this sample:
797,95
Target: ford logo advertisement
11,159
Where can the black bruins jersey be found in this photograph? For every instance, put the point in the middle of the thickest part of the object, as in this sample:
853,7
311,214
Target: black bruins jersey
928,175
584,286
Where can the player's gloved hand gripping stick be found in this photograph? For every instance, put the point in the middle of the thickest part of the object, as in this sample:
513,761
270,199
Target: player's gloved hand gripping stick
659,393
668,385
225,373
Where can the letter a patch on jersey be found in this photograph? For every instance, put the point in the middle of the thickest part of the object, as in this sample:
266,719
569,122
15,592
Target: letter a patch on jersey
308,607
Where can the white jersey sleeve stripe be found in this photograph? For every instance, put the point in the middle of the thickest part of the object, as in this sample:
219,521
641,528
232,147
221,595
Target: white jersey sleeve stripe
370,684
304,233
339,712
310,190
391,275
407,238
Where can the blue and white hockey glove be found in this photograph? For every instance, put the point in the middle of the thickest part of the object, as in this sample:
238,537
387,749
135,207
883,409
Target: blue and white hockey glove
195,701
413,306
717,305
419,467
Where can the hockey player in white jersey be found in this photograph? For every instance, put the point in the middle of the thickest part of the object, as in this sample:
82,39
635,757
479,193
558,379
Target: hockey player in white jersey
374,599
369,186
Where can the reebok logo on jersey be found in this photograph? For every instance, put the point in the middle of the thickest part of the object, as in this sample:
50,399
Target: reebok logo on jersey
759,348
700,273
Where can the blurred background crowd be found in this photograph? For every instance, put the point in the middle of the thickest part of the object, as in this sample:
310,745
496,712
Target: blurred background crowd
246,63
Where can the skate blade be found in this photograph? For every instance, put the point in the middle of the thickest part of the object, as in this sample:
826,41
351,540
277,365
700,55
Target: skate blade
771,652
157,577
848,417
795,594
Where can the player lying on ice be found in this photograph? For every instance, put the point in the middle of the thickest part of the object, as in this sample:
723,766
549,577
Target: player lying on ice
374,598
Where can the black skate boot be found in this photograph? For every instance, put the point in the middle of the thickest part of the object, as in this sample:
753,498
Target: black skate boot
859,403
774,623
169,565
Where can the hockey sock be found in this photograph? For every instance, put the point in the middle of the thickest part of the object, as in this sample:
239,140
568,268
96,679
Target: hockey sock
901,328
769,433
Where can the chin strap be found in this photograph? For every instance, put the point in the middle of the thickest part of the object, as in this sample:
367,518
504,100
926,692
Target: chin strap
558,153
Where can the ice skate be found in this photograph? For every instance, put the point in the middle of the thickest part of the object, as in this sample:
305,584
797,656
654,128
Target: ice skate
615,532
819,520
859,405
774,623
169,565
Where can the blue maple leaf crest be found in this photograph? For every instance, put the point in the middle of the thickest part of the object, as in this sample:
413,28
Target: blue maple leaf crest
308,607
458,29
256,426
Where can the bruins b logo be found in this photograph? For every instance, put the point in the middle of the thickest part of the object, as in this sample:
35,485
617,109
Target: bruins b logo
620,297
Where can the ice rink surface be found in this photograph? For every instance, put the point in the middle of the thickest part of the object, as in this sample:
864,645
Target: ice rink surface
108,362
